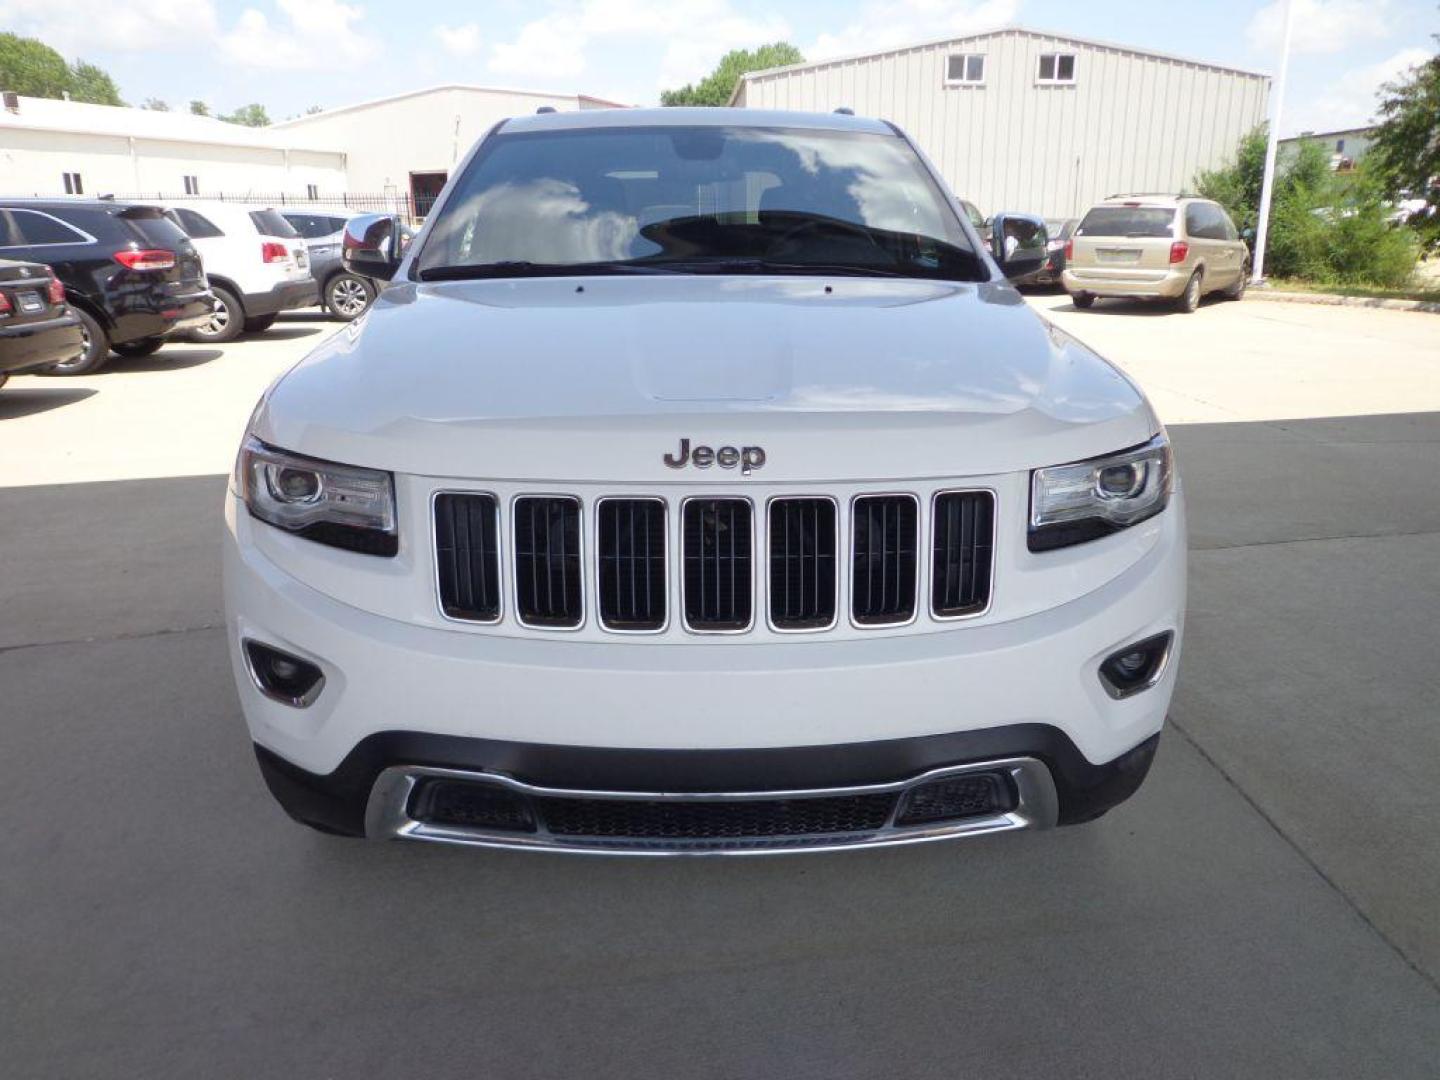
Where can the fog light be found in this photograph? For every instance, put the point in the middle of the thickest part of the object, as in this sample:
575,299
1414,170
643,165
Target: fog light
282,677
1136,667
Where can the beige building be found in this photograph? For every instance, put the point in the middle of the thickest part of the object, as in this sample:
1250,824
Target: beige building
1017,119
407,144
51,147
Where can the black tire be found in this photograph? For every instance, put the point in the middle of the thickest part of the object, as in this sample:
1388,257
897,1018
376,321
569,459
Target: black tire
1237,291
228,321
348,296
258,324
1189,300
134,350
92,357
1082,300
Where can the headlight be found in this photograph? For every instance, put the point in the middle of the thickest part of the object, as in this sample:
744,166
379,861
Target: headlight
1070,504
340,505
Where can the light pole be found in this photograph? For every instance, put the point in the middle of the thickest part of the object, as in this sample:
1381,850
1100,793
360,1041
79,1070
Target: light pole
1267,186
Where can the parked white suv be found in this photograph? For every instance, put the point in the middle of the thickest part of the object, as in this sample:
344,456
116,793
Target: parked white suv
699,484
255,262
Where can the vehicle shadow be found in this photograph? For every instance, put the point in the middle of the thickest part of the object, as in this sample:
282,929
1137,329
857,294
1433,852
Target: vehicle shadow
1145,308
316,316
28,401
169,358
279,333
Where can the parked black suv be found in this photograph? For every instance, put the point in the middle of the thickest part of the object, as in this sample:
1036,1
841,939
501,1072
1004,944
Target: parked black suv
36,328
129,273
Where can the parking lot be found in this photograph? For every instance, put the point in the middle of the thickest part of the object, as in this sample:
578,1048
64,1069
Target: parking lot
1265,906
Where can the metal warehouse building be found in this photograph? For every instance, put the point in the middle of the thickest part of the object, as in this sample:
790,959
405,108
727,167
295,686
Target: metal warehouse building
1017,119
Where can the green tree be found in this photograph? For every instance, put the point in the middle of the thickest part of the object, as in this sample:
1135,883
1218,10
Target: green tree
155,104
199,108
32,68
717,87
249,115
90,83
1406,150
1237,186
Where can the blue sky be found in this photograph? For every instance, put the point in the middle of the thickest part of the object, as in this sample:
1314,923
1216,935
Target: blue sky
291,54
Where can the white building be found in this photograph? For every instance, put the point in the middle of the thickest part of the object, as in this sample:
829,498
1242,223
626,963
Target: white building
1017,119
407,144
51,147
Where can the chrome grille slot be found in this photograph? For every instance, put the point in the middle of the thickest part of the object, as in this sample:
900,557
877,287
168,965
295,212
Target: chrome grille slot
547,561
963,553
630,541
883,554
467,556
802,563
717,564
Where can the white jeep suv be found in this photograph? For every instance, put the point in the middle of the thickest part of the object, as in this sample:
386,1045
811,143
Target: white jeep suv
698,483
255,261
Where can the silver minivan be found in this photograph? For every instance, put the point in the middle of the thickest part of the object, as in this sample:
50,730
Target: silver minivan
1166,247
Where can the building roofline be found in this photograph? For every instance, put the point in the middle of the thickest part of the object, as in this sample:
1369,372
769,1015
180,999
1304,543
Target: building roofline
1326,134
1009,28
553,94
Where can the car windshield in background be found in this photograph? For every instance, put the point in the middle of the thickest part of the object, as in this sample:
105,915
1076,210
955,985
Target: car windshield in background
1127,221
697,200
273,223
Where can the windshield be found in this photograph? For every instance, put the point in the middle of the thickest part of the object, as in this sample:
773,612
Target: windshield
1127,221
697,200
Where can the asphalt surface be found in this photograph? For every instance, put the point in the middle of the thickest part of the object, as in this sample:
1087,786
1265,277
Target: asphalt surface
1265,906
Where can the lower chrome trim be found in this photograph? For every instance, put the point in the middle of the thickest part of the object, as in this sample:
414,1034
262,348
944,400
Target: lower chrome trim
386,815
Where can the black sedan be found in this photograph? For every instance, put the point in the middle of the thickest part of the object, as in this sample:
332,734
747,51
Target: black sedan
36,328
1060,230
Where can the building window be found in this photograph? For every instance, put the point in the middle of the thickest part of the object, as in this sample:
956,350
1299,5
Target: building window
192,185
1056,68
965,69
312,191
72,184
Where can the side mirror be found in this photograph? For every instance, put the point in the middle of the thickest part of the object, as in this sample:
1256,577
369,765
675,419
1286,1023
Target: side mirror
1018,243
372,246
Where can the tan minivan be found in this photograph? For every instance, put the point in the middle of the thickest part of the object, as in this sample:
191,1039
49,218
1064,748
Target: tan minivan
1164,247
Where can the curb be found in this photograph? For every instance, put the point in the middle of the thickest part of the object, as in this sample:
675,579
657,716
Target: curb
1335,300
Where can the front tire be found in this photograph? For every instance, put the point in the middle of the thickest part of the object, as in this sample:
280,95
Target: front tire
94,350
1189,300
1237,291
226,321
1082,300
348,296
134,350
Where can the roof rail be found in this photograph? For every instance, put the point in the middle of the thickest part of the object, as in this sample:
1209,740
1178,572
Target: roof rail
844,110
544,109
1155,195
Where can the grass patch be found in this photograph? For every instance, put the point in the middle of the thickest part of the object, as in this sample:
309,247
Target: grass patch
1300,285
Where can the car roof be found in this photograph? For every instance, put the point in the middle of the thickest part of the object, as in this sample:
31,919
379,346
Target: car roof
694,117
216,206
1151,199
59,202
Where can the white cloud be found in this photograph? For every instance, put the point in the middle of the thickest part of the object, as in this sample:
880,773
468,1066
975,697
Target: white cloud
694,35
889,25
459,40
82,26
1320,26
307,34
1351,99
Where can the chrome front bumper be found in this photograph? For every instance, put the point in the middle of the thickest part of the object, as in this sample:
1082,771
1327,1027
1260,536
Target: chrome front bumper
388,814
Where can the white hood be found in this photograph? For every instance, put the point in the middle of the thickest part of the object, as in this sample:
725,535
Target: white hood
598,378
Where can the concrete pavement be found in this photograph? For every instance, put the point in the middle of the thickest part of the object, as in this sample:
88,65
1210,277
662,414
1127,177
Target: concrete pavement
1265,905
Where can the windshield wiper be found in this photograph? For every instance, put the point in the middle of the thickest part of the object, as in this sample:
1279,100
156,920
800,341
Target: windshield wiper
522,268
749,265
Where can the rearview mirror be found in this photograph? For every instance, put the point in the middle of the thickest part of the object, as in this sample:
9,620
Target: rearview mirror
1018,243
372,245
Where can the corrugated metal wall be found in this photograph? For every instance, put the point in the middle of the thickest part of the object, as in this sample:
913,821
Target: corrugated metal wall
1129,122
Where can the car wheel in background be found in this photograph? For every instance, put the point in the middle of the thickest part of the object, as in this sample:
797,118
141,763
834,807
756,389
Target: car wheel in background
1236,291
227,320
133,350
93,353
347,296
259,323
1189,300
1082,300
